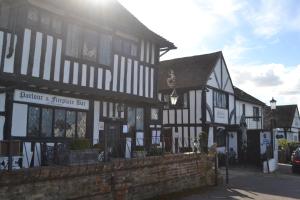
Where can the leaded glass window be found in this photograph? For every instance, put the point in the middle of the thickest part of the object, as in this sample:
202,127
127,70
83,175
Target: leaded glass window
47,115
81,124
59,123
4,15
134,50
131,118
56,26
154,113
33,16
70,124
33,126
140,119
45,21
73,38
89,50
104,49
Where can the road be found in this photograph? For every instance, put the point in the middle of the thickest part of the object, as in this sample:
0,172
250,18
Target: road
252,184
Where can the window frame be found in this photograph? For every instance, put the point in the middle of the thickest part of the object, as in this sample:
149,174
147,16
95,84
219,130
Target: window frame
256,113
53,108
220,95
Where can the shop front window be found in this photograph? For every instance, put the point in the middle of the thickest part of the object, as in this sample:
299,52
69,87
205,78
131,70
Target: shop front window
33,129
70,124
81,124
59,123
46,122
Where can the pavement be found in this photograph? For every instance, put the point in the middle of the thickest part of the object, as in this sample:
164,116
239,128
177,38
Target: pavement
251,183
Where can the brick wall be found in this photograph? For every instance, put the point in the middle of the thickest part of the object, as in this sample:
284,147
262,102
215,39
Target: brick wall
119,179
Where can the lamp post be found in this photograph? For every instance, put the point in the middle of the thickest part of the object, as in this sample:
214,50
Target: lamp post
273,107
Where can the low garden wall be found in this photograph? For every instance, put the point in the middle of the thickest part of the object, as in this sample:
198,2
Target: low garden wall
116,180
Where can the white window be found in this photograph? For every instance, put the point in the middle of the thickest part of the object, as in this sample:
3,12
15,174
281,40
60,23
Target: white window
105,49
89,50
4,15
73,38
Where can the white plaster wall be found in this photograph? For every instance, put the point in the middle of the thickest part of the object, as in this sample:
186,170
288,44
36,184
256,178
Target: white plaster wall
2,121
96,122
233,141
2,102
210,136
19,120
209,101
248,110
231,107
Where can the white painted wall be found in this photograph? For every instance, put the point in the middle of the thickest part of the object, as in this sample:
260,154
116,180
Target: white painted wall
2,102
2,121
248,113
233,142
19,120
96,122
210,136
209,101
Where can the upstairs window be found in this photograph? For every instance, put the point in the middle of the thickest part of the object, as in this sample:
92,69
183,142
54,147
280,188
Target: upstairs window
220,99
256,113
73,38
33,16
89,50
104,50
125,47
44,21
4,15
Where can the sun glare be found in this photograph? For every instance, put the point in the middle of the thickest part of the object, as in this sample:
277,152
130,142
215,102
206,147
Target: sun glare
97,2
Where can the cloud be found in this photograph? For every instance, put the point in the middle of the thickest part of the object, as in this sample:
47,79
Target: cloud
269,18
267,79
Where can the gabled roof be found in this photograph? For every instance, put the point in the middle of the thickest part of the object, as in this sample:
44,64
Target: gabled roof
112,13
190,72
283,116
243,96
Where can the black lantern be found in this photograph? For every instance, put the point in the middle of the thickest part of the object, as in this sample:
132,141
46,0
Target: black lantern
173,97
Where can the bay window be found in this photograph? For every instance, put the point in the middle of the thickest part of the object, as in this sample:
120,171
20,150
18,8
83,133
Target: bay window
46,122
59,123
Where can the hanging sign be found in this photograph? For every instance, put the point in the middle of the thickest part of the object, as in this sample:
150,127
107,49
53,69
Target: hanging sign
50,100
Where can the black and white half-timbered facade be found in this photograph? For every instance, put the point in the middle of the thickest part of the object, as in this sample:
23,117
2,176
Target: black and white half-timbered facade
71,69
250,137
206,102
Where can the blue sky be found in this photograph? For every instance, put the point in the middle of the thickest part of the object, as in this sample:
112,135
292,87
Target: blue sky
260,39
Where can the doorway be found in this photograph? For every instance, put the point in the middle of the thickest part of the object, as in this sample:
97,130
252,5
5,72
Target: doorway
168,139
115,144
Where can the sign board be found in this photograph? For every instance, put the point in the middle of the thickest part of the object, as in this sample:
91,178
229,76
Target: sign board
221,115
50,100
101,126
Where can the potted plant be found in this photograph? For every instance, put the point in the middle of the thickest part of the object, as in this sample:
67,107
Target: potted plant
139,152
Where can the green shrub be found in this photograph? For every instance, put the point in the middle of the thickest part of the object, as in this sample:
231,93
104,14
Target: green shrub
98,146
139,148
154,151
283,144
80,144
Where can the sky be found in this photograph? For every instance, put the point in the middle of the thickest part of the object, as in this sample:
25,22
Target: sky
260,39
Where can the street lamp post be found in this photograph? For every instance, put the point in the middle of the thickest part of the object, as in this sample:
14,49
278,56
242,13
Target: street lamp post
273,107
